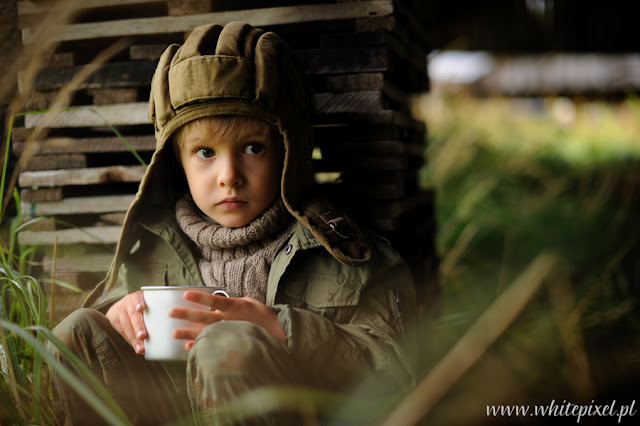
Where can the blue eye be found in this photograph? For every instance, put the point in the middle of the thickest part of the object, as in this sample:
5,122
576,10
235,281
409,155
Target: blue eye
205,153
253,148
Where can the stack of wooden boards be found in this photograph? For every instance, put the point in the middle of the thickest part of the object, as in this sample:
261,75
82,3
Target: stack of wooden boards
363,58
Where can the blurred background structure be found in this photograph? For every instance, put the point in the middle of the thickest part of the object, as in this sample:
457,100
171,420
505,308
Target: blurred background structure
475,135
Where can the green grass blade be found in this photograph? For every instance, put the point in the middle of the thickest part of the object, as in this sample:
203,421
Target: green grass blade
122,138
101,401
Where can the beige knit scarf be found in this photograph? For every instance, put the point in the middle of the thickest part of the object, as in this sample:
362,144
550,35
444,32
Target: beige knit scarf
236,259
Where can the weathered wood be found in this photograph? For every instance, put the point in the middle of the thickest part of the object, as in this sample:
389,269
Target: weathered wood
52,162
80,205
345,60
86,262
38,101
146,51
89,176
36,224
41,194
113,218
89,235
62,145
364,101
188,7
116,96
257,17
355,82
115,74
363,163
93,116
26,7
62,60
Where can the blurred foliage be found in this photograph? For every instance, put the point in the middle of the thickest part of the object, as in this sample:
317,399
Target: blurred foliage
515,178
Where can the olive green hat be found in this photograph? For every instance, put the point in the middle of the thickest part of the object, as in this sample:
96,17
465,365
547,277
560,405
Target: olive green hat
241,70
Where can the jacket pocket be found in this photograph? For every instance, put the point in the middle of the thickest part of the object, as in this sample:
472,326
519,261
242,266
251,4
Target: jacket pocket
324,291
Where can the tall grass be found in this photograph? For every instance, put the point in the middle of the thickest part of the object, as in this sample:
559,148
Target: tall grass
26,389
515,178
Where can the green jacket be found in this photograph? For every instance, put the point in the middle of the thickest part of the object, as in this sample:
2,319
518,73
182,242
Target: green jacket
352,318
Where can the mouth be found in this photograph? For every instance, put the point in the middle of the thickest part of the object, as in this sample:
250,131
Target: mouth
231,203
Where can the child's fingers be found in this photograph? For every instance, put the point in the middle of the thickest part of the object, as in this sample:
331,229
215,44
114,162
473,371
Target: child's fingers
135,309
186,333
210,300
203,316
129,333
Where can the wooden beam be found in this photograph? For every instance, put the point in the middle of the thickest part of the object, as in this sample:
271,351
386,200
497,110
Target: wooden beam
80,205
39,195
51,162
93,116
257,17
27,7
89,235
67,145
88,176
116,74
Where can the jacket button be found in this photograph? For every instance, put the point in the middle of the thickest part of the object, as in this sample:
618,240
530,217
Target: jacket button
288,249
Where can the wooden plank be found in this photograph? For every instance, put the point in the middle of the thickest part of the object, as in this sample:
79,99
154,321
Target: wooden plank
27,7
36,225
89,176
42,194
146,51
62,161
113,218
83,263
38,101
117,96
94,116
114,74
188,7
88,235
355,82
63,145
80,205
365,101
344,60
257,17
388,163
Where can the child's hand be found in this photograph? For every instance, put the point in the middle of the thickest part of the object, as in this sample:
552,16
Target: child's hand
224,308
126,317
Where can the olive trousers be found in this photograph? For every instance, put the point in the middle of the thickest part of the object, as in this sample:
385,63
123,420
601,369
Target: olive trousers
228,359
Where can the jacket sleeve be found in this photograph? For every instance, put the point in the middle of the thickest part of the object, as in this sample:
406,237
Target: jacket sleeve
369,333
156,257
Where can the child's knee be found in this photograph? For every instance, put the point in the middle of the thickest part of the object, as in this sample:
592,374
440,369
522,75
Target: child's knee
233,346
81,324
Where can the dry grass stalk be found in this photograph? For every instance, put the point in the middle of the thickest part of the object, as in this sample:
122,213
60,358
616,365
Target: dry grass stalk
466,352
567,320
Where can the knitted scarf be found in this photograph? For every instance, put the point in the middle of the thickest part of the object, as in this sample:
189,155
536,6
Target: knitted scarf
235,259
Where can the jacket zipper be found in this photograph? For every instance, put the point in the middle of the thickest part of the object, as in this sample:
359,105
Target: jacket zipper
399,312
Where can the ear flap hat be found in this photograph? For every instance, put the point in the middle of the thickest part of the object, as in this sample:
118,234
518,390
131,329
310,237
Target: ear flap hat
241,70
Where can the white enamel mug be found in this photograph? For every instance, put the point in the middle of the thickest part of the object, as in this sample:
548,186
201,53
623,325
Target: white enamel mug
159,300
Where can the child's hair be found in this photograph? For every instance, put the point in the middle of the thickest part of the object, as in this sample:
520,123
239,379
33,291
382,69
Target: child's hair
221,125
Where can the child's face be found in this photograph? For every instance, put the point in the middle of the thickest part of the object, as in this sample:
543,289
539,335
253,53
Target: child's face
232,177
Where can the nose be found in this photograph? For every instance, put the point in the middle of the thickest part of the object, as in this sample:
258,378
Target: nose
229,173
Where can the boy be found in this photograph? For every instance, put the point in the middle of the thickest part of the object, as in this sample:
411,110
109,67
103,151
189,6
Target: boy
226,201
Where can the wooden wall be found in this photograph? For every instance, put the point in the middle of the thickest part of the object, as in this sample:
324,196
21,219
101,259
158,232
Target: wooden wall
364,58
